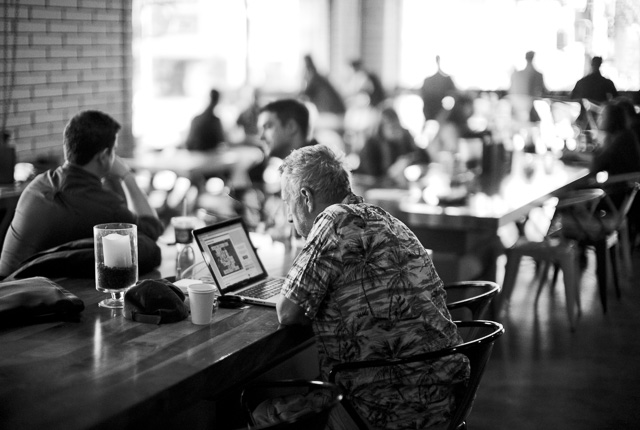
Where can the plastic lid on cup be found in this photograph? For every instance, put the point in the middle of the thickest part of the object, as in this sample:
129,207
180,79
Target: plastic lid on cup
201,288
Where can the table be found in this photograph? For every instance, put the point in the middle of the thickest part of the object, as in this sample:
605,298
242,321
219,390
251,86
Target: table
234,160
454,232
104,371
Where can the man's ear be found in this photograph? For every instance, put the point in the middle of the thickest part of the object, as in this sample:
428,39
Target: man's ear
291,127
103,157
308,198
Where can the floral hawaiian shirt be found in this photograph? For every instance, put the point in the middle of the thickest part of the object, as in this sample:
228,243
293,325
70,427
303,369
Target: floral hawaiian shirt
372,292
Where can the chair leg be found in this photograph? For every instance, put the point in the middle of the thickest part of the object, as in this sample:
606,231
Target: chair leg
615,267
601,272
625,248
510,275
570,271
542,274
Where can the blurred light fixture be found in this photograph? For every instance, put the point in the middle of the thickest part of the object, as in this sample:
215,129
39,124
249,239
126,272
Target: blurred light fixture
448,102
413,172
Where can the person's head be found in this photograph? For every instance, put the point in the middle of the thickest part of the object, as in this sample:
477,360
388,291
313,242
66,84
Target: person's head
390,127
89,134
310,65
313,178
529,56
356,64
285,124
214,97
612,119
596,62
627,106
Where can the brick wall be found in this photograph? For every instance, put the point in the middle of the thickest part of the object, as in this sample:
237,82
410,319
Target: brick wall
71,55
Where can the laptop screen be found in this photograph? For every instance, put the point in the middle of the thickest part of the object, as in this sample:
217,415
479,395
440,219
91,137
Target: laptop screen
230,255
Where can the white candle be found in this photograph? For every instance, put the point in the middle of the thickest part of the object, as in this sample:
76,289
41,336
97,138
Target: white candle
117,250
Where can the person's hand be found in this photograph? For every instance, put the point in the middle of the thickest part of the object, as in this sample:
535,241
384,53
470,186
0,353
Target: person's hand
120,169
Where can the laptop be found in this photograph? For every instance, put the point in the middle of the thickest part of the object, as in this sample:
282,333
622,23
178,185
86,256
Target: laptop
234,263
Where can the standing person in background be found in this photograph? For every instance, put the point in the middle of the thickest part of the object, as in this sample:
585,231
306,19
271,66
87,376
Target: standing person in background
594,86
526,86
206,132
434,89
596,89
63,205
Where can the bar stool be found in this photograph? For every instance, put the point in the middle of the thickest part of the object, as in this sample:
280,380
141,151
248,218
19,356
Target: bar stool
555,248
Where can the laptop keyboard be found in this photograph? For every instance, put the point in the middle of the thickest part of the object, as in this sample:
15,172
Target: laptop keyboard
264,289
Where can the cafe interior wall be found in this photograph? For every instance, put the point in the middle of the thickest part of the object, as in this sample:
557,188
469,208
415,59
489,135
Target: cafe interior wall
59,58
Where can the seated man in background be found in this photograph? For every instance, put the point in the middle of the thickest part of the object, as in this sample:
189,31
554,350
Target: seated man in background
285,127
63,205
370,291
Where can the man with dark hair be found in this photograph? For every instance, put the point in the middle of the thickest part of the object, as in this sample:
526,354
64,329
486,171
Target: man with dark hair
594,86
285,126
206,130
62,205
370,291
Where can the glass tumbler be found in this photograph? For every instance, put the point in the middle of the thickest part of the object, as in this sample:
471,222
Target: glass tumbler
116,259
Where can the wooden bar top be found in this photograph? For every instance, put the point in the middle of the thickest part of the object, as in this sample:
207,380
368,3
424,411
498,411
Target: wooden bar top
104,371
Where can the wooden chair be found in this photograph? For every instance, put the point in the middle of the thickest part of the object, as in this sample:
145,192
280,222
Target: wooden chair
555,248
479,338
312,419
469,300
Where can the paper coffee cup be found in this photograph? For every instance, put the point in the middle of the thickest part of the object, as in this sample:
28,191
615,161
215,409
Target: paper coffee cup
201,299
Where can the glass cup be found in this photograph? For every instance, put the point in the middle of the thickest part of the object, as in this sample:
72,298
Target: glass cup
116,257
182,226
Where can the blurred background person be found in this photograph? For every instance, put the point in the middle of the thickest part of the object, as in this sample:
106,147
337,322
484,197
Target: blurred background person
364,96
594,86
388,151
324,96
248,119
364,82
206,132
619,149
434,89
526,85
597,90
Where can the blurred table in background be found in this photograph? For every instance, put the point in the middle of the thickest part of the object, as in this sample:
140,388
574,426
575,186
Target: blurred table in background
229,160
463,231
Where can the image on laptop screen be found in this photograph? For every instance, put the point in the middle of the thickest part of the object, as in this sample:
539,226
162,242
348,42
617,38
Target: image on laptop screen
230,255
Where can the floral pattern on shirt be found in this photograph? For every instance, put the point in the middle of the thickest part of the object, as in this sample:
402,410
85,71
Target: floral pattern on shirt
373,292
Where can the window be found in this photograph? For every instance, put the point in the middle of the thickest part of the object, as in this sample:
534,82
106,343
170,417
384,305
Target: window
482,41
184,48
